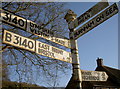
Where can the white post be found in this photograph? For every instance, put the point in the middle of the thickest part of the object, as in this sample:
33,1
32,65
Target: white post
70,16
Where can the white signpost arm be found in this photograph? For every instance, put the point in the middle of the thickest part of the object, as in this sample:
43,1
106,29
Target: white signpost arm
77,77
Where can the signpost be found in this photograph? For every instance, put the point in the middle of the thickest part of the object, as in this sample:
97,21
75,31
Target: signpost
36,46
88,14
103,16
56,53
31,27
94,76
78,74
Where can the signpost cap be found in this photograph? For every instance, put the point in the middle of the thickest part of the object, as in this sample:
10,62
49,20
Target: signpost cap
70,16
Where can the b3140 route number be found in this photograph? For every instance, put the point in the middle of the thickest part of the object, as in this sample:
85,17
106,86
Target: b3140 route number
19,41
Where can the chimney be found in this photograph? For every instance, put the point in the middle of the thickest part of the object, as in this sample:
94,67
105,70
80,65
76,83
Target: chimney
99,62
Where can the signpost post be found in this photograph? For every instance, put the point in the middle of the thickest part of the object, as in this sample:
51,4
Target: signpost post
93,76
70,16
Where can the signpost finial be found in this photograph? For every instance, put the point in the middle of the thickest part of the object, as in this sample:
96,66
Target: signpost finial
70,16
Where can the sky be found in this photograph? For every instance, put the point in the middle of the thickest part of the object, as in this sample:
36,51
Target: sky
101,41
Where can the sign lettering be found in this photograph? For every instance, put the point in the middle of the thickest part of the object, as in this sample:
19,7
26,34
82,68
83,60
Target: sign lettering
36,46
14,20
88,14
52,52
106,14
93,76
19,41
31,27
46,34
